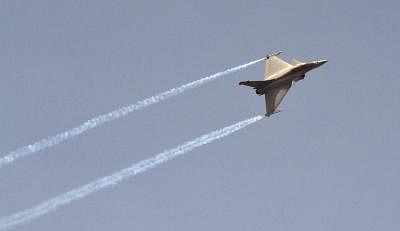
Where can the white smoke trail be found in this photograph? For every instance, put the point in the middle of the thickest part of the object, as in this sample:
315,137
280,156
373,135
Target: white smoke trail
123,111
110,180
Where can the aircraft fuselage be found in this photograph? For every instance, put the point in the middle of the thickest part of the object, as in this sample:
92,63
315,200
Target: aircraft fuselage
288,75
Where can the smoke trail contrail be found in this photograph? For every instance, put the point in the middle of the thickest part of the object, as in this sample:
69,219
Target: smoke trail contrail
113,179
123,111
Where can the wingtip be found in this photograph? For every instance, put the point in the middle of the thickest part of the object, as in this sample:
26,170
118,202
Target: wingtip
273,54
275,112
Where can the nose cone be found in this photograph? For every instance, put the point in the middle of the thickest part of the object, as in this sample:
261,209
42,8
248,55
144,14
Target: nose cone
320,62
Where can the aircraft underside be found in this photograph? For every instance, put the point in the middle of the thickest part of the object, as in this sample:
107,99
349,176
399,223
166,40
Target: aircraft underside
277,83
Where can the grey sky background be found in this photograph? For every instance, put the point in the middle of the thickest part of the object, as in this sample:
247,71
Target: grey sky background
329,161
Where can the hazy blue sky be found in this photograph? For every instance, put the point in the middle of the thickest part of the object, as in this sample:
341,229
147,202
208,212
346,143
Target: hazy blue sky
329,161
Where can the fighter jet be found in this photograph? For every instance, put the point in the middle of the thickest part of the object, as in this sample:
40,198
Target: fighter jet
278,78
